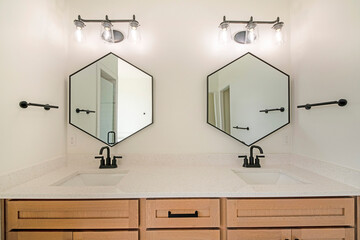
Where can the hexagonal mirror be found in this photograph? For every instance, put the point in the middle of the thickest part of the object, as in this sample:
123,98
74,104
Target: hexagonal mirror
111,99
248,99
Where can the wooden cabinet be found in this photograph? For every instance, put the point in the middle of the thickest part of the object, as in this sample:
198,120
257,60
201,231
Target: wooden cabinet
39,236
183,235
292,234
323,234
183,213
183,219
260,234
358,218
72,214
299,212
106,235
87,235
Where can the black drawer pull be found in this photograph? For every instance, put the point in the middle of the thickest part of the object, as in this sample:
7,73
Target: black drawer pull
183,215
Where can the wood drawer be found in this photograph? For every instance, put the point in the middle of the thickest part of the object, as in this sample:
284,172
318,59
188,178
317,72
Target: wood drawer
172,213
314,212
183,235
259,234
72,214
293,234
106,235
88,235
324,233
39,236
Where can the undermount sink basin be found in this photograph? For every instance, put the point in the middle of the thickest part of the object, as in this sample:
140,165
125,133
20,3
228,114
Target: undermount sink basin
91,179
267,177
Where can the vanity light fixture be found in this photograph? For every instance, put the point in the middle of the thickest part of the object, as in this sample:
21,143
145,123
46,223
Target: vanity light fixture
250,34
108,33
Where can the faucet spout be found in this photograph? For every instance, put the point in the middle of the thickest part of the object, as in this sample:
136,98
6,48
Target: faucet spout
252,150
251,158
108,151
106,163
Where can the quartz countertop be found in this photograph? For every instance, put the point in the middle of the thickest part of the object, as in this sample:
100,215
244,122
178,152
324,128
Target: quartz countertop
162,181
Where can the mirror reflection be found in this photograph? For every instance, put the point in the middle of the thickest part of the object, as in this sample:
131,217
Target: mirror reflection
111,99
248,99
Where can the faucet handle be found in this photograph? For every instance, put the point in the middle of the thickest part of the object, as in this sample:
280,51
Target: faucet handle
113,162
246,163
257,160
102,161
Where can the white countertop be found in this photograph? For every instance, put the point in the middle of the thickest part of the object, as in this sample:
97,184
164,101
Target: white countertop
177,181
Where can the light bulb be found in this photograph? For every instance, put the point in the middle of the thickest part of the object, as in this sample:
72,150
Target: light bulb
251,34
278,35
107,32
78,32
134,33
224,33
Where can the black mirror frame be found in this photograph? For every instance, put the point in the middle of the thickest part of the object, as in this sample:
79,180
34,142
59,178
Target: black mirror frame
207,99
152,99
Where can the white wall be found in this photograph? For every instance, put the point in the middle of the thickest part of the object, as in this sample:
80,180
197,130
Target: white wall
325,50
32,57
179,48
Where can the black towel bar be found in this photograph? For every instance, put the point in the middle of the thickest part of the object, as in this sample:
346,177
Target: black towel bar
273,109
341,103
78,110
25,104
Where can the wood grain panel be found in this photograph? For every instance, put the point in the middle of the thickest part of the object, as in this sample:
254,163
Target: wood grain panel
183,235
290,212
104,235
323,234
259,234
358,218
39,236
2,219
157,213
72,214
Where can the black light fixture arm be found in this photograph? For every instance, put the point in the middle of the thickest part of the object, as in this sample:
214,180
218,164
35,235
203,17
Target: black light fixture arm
341,103
250,21
107,20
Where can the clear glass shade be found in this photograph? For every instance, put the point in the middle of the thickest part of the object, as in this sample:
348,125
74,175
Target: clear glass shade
252,34
279,36
107,33
224,36
79,35
134,35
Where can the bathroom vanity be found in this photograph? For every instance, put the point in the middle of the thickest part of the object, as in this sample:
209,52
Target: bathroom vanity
184,218
182,203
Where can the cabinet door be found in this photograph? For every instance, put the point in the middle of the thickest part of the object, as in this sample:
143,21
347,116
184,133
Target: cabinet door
183,213
106,235
303,212
71,214
323,234
183,235
39,236
260,234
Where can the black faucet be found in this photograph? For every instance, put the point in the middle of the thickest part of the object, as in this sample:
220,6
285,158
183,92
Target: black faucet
108,163
251,163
